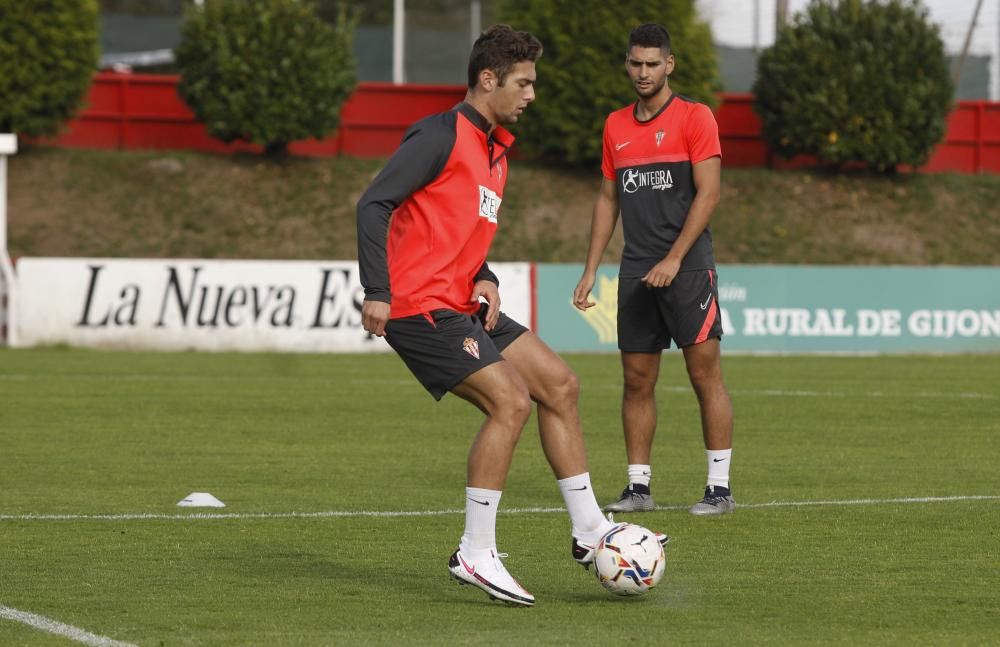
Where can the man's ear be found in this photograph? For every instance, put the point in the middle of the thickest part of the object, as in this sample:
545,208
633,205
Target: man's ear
488,80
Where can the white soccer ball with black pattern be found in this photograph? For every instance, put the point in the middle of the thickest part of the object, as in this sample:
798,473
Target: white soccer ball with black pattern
629,560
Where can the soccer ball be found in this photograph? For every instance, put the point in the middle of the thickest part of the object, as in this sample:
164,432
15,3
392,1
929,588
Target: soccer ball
629,560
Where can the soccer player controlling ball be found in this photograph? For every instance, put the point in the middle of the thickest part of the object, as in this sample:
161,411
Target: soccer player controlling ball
425,226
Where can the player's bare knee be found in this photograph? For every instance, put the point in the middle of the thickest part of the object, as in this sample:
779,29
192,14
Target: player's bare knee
560,392
706,382
638,389
514,408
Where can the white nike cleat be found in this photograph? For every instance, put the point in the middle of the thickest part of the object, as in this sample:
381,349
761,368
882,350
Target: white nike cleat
489,574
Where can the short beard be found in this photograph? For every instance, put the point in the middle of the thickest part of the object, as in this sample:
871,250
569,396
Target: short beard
652,91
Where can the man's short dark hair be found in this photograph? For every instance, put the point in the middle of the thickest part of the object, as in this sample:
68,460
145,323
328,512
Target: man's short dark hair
499,48
650,35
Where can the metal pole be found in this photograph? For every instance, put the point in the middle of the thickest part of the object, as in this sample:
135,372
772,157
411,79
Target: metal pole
995,86
780,17
8,146
398,41
475,20
956,73
756,26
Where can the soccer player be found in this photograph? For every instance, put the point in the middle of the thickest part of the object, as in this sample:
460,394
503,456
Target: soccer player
425,226
661,168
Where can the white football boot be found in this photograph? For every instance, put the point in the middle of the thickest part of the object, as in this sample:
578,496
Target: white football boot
488,573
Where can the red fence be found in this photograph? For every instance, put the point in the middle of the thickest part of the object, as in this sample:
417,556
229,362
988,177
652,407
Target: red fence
144,112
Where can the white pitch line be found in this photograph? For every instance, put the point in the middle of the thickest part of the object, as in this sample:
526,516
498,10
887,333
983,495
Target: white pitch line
59,628
198,516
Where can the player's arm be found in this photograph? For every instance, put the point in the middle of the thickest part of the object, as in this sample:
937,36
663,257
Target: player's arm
705,152
708,187
420,158
487,285
602,226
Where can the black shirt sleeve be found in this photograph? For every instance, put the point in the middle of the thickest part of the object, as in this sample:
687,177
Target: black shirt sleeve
419,159
486,274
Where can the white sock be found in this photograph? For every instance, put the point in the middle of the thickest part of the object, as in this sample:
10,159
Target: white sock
480,519
718,466
639,474
589,524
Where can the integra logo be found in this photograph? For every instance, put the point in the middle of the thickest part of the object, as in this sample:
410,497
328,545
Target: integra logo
633,180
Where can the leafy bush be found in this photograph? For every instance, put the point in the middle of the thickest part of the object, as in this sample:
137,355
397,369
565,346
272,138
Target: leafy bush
268,71
581,75
48,55
856,81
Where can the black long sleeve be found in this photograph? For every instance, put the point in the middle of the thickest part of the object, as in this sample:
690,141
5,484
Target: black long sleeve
420,158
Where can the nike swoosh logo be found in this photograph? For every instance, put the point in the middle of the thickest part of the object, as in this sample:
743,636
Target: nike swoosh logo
718,460
578,489
618,147
707,301
477,501
472,570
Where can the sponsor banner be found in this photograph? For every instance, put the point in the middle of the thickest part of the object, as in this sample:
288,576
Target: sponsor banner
788,308
166,304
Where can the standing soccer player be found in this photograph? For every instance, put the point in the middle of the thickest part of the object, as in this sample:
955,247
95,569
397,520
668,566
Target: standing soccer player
661,168
425,226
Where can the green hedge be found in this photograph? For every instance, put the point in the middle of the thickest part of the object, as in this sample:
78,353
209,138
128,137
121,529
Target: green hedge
854,81
48,56
581,75
268,71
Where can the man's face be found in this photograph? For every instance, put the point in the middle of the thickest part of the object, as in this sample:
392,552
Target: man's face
518,90
648,68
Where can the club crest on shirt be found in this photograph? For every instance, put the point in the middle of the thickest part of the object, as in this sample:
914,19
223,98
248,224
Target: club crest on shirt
471,346
659,137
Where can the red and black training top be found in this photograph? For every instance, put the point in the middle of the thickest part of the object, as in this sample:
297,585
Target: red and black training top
426,223
652,163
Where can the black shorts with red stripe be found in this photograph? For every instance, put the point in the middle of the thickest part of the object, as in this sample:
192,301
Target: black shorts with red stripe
443,347
685,312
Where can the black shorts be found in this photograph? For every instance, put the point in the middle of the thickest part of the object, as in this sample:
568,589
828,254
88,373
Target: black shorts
443,347
686,311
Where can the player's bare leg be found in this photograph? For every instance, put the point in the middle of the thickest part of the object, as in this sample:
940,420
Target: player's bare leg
556,389
704,366
640,371
500,393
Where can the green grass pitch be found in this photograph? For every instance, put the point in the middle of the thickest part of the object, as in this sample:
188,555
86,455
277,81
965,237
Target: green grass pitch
830,545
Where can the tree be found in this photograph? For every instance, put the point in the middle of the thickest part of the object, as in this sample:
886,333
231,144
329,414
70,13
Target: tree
265,71
856,81
48,55
581,75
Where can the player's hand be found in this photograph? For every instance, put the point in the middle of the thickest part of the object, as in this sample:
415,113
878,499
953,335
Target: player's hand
662,274
582,291
489,291
374,316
